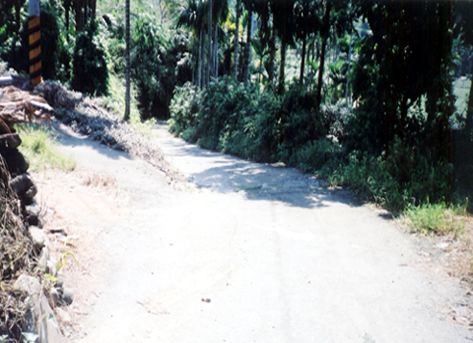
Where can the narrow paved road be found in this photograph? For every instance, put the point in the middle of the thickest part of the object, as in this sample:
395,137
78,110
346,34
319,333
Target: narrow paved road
254,253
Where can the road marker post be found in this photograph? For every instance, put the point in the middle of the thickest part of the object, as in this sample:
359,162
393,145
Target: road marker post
34,42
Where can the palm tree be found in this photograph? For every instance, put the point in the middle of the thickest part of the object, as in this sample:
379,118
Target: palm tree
283,21
266,44
219,15
128,66
247,61
193,17
210,44
250,7
325,31
236,43
306,23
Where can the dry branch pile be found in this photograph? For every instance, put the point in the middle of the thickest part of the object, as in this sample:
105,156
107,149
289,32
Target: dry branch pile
17,106
17,190
15,257
88,117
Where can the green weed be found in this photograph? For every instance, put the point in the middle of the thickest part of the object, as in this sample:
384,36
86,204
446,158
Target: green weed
41,151
438,219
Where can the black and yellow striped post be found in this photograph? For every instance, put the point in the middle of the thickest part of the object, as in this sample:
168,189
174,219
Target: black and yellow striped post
34,42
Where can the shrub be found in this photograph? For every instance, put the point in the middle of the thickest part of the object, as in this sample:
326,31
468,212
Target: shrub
368,177
316,154
56,58
299,121
415,169
90,73
254,132
397,178
184,109
227,116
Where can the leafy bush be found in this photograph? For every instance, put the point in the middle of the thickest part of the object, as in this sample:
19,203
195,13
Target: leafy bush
90,73
368,177
252,131
55,56
299,121
416,170
228,116
401,177
184,109
316,154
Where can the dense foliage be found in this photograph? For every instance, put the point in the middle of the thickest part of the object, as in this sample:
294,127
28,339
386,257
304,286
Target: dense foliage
90,72
158,64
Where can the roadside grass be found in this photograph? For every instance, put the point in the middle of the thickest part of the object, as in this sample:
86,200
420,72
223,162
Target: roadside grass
439,219
41,151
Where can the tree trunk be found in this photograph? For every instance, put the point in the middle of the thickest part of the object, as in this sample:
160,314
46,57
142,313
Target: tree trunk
92,9
246,66
128,62
79,15
304,45
469,112
325,33
347,83
67,12
261,67
201,57
216,52
236,43
210,45
272,58
403,120
18,15
282,68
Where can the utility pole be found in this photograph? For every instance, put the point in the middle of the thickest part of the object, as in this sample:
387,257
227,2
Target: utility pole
34,42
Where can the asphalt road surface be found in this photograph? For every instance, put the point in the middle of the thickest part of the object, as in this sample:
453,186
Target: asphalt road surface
245,253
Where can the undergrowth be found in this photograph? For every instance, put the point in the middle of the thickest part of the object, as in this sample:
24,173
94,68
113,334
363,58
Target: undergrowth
438,218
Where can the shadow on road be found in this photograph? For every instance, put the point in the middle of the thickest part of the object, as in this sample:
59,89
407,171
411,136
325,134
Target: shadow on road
258,181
